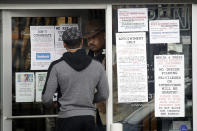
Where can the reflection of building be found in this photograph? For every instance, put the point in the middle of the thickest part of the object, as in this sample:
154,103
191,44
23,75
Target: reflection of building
15,57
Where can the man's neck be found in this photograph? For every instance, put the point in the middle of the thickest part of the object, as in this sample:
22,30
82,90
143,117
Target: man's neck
98,52
73,50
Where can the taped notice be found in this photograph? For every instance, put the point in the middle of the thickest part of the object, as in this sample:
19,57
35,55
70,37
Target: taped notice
169,86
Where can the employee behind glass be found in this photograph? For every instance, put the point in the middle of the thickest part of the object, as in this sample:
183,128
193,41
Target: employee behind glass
95,35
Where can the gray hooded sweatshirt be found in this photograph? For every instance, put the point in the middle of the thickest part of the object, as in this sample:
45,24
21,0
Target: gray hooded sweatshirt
75,77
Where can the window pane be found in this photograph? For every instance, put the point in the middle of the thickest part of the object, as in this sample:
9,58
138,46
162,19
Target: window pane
21,58
141,116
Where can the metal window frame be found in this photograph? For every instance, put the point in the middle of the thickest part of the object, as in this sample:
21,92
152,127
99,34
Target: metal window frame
194,64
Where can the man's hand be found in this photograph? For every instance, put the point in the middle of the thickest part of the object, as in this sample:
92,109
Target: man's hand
55,105
101,107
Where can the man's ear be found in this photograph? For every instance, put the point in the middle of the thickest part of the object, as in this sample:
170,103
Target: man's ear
65,46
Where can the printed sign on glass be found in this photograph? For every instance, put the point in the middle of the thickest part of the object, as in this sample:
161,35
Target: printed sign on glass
40,81
42,47
24,87
132,19
169,86
132,67
164,31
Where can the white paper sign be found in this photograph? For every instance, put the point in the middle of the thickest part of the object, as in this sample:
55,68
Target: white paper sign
131,67
59,48
132,19
40,81
24,87
169,86
164,31
42,47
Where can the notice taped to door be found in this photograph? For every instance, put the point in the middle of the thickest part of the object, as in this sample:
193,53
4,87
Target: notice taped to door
42,47
24,87
40,81
169,86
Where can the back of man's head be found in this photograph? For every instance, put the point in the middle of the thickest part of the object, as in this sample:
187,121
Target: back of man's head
72,37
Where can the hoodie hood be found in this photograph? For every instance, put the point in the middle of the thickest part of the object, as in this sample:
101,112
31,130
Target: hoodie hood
77,60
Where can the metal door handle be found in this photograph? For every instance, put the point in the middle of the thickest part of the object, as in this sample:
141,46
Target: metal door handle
30,117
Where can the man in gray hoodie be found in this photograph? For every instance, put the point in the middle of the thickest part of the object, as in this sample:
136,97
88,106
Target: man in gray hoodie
75,76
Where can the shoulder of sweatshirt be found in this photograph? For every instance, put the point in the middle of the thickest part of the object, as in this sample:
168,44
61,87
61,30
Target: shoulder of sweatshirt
54,63
98,65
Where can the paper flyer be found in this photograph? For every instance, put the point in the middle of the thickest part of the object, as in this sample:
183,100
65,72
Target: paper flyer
42,47
24,86
131,67
40,81
164,31
132,19
169,86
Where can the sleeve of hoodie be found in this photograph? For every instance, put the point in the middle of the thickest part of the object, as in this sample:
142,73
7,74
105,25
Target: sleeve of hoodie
50,87
102,93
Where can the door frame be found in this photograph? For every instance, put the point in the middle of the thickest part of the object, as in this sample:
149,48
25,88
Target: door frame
33,11
194,64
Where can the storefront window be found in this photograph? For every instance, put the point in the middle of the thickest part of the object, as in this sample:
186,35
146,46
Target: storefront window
137,110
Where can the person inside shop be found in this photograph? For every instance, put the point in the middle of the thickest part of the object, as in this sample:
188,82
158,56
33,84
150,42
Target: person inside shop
95,36
76,76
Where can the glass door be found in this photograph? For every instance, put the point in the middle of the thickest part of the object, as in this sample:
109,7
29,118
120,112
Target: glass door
25,111
149,95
